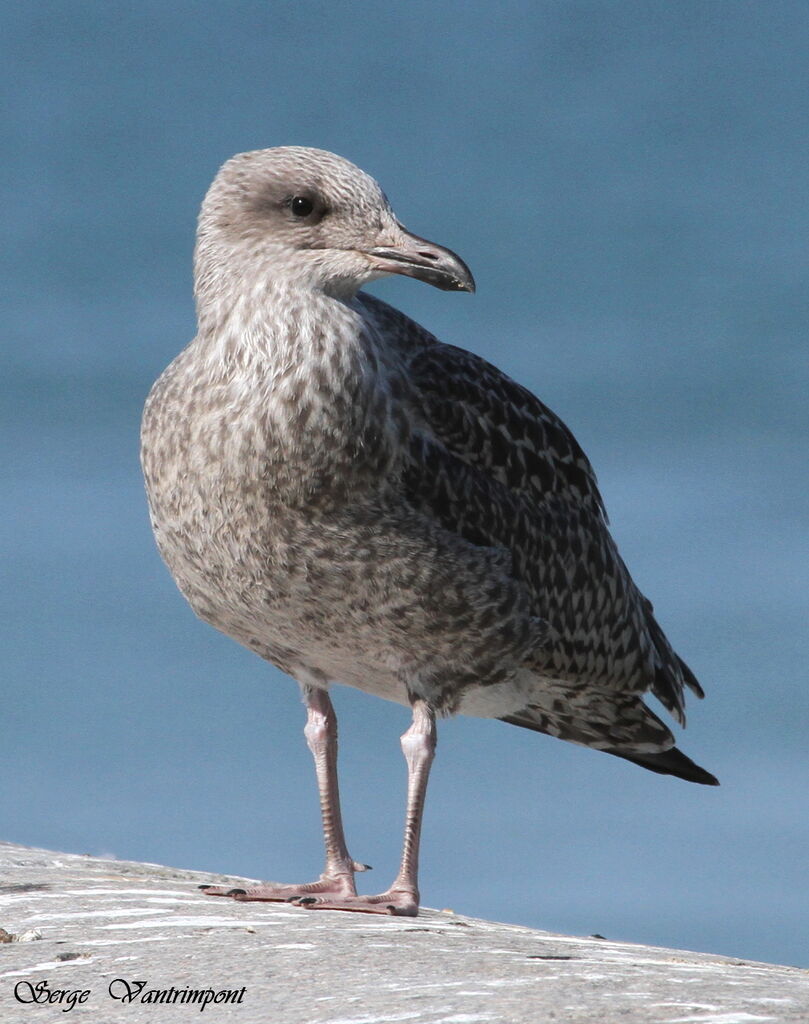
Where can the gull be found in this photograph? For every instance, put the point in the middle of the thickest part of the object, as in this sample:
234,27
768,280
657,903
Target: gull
357,502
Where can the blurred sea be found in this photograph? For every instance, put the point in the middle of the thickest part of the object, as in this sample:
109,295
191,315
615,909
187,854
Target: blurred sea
628,183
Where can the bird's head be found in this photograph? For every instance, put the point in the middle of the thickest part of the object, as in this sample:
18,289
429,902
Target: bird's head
314,219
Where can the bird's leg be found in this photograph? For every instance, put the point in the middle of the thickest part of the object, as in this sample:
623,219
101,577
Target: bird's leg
321,736
418,746
337,879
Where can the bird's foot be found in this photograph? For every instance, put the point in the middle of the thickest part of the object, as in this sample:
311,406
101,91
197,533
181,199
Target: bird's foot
339,886
395,902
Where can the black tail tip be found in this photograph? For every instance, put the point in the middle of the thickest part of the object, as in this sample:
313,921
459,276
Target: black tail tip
702,777
671,762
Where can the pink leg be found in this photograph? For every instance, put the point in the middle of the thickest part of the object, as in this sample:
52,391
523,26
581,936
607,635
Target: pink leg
338,876
418,746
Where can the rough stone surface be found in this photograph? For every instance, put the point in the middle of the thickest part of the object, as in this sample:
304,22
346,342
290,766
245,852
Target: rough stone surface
102,920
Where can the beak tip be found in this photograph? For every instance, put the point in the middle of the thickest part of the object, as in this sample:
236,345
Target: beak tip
462,280
463,284
416,257
458,278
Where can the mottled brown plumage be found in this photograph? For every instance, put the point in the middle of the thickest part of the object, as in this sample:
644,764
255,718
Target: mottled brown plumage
359,503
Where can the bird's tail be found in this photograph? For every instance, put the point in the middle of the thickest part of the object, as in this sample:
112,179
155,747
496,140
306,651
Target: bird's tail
671,762
621,725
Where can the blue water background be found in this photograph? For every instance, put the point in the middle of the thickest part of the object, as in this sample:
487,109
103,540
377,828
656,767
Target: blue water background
628,182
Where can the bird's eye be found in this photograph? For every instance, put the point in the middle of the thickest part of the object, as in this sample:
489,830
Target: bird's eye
301,206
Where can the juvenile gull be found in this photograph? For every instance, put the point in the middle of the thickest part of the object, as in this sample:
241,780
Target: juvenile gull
359,503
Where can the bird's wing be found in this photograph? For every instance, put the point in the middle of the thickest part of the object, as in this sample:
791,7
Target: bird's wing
494,464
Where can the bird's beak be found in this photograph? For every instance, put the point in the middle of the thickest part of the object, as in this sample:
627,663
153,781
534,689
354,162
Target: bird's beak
415,257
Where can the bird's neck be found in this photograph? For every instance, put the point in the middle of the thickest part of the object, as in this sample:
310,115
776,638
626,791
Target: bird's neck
255,284
283,330
312,371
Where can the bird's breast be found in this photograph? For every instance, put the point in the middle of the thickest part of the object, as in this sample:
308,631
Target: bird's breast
240,458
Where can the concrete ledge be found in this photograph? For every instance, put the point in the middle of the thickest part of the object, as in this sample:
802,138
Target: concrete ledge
108,925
